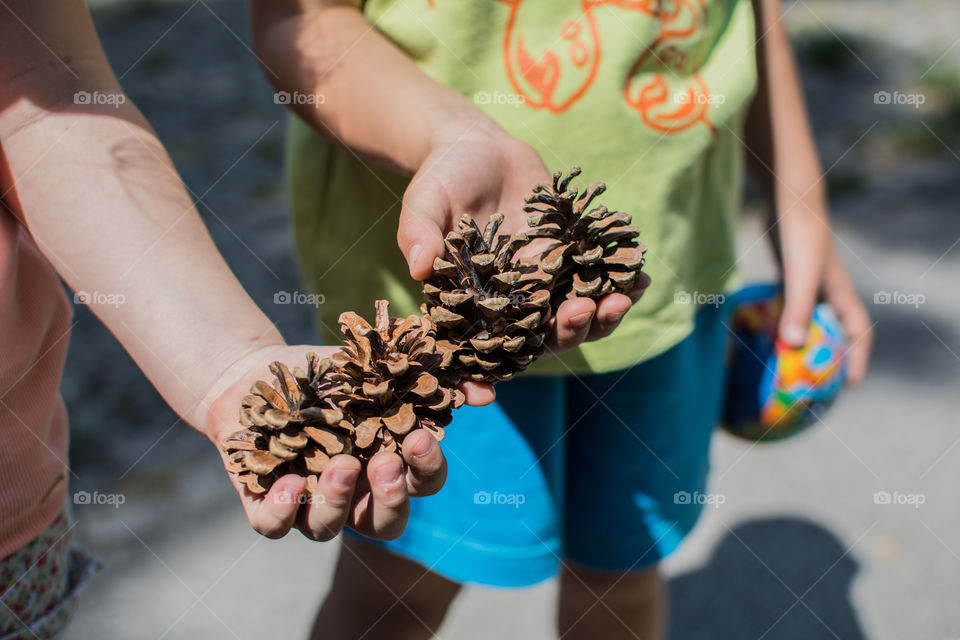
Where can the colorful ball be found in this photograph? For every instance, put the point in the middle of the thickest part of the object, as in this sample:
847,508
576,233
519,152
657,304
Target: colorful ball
775,391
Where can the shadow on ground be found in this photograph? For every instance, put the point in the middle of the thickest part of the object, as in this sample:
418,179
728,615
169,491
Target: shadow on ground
781,578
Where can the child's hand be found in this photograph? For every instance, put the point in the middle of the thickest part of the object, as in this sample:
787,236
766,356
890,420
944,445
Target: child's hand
375,503
480,172
839,291
837,288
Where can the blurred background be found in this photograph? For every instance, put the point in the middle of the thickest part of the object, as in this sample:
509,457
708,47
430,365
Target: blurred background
801,547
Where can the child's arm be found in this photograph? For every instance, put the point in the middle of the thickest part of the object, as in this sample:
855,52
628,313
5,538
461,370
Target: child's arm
380,105
106,206
783,158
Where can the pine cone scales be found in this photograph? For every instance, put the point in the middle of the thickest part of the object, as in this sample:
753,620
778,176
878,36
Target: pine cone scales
495,311
387,381
291,426
392,378
592,254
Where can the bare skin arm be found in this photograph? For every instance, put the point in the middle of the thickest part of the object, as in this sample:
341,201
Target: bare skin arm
784,161
104,203
381,106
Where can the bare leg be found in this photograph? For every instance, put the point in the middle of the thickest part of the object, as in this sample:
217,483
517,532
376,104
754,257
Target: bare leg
596,604
376,595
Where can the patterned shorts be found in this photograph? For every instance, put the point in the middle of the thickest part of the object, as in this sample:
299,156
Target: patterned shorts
41,582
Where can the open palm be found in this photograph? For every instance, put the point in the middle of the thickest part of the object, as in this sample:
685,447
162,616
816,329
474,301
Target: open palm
373,501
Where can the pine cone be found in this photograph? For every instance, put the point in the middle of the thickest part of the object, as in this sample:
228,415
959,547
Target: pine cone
482,302
391,379
386,382
291,426
592,254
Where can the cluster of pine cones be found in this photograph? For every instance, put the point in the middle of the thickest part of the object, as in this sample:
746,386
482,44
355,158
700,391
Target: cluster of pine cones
486,317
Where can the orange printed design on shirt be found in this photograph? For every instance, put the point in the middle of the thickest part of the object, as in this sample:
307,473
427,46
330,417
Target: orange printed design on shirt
668,102
551,70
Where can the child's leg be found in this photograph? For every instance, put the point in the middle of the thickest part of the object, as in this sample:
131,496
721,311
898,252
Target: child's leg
595,604
637,458
606,605
377,594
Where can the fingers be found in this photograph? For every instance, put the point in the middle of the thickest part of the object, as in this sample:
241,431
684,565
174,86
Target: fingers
380,507
581,319
571,324
806,252
610,310
274,514
800,297
856,324
842,294
861,337
377,506
478,394
326,513
640,286
426,466
382,513
421,228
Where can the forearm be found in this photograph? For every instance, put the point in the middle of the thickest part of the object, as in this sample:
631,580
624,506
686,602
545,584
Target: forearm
781,152
106,206
374,99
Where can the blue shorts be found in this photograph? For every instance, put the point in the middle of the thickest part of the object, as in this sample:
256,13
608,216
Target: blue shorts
597,469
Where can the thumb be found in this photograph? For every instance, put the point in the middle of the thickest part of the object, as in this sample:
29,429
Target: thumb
423,221
799,301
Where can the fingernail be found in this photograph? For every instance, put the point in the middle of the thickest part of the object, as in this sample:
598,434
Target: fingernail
617,317
286,497
412,256
389,474
343,478
581,319
794,335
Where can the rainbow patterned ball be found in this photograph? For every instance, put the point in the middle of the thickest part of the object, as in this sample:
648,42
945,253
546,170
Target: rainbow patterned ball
773,390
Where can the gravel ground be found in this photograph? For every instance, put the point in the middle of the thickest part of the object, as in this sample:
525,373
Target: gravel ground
799,549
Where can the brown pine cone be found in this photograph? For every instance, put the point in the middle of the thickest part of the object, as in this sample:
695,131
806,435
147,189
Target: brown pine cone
291,426
385,382
493,310
392,378
591,254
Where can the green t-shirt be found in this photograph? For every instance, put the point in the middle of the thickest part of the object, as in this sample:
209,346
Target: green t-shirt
646,95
